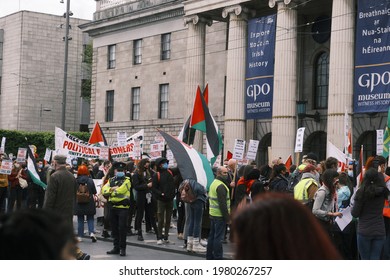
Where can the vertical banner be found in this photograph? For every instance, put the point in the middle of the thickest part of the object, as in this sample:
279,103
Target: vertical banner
121,138
239,149
379,142
299,140
47,155
22,155
260,67
2,147
372,57
252,149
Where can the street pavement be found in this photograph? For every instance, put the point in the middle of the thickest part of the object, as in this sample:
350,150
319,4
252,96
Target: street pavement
142,250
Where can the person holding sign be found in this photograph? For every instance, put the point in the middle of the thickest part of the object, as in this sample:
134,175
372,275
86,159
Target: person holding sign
16,190
3,187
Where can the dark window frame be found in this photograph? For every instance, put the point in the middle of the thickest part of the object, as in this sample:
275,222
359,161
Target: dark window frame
111,57
321,81
137,52
163,101
135,103
166,46
109,117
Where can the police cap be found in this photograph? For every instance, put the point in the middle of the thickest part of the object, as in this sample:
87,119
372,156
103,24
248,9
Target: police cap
119,165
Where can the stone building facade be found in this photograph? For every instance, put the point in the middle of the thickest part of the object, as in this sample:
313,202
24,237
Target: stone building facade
149,57
32,72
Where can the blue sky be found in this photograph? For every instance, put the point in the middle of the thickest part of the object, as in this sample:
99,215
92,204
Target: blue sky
81,8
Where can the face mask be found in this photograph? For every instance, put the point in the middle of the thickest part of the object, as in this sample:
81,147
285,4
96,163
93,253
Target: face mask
165,166
17,165
120,174
224,177
40,165
74,162
350,173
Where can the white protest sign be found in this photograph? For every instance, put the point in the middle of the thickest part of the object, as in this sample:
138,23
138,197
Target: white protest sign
252,149
22,153
379,141
155,155
239,149
104,153
72,147
6,167
47,155
157,147
171,158
299,140
218,161
2,147
121,137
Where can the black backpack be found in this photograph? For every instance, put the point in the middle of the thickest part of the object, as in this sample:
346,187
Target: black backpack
82,195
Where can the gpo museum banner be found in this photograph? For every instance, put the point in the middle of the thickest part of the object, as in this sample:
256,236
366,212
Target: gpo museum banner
372,61
260,67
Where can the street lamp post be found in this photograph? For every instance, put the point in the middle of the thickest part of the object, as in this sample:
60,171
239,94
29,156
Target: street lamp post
66,39
43,109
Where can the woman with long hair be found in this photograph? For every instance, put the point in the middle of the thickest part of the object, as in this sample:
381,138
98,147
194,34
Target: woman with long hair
142,182
325,200
277,227
368,207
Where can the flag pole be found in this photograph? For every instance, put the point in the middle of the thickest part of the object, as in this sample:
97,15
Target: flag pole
234,179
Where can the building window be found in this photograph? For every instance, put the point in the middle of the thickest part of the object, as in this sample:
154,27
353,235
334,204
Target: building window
166,46
321,81
109,106
135,103
111,57
137,51
163,110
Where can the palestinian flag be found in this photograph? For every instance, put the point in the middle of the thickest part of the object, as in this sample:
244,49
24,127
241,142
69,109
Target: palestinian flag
187,133
213,135
33,169
191,163
288,163
198,116
97,136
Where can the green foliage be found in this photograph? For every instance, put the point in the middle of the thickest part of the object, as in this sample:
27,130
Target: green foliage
42,140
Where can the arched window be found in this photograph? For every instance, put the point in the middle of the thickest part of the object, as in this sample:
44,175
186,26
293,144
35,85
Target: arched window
368,140
321,84
316,143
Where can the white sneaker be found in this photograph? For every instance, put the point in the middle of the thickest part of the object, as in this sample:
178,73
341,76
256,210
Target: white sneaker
79,239
166,241
159,242
93,237
203,242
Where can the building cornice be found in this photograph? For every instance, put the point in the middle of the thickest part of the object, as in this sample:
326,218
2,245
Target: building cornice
193,7
128,21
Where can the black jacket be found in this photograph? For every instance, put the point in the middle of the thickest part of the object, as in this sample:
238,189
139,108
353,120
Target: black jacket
163,185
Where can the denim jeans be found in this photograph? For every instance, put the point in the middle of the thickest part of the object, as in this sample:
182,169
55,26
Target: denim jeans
195,218
214,243
370,247
80,224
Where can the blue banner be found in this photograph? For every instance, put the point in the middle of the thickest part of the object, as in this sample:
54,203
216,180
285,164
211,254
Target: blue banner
260,67
372,61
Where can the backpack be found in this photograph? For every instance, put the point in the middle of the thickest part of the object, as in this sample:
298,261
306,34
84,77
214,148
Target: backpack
293,180
186,193
82,195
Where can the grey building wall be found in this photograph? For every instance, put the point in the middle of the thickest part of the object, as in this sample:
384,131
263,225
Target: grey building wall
33,65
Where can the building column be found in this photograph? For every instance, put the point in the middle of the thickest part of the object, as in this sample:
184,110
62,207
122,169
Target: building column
341,69
195,66
285,82
235,80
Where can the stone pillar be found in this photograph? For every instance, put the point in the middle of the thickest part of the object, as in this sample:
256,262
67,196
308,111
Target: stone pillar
285,83
341,69
195,67
235,85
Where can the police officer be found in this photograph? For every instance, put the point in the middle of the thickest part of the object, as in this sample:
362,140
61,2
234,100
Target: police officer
118,190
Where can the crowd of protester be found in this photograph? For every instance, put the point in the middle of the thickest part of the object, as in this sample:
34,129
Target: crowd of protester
268,212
